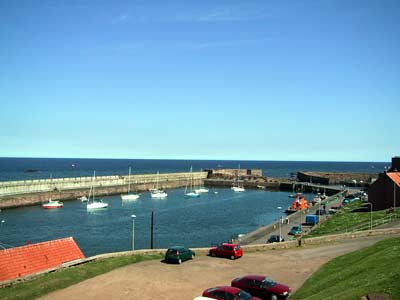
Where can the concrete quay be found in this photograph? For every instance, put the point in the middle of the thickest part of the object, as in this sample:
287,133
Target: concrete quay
31,192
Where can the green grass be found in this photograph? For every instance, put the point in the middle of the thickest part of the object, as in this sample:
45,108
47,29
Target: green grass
64,278
345,220
375,269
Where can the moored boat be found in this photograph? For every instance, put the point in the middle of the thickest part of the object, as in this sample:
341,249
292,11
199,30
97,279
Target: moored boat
92,202
53,204
299,203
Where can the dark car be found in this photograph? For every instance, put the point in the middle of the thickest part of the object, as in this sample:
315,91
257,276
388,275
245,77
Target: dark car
231,251
296,230
262,287
275,239
228,293
320,212
178,254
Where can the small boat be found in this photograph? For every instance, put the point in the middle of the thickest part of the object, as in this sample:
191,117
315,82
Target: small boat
192,193
92,202
236,186
129,195
53,204
83,198
201,190
237,189
299,203
156,192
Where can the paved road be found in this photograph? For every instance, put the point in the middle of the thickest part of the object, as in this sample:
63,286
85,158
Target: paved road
299,218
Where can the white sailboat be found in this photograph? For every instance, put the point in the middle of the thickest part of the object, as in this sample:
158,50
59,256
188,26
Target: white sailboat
192,193
129,195
156,192
201,189
92,202
236,186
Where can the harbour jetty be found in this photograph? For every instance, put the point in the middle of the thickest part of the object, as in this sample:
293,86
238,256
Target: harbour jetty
31,192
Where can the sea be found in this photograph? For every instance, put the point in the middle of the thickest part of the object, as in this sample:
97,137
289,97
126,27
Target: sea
214,217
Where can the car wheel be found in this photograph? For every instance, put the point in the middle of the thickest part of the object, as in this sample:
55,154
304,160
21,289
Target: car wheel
232,257
179,261
274,297
213,254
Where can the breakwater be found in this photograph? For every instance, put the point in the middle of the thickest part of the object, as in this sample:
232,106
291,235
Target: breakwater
30,192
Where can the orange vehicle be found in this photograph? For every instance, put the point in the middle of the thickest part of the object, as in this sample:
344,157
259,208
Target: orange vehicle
299,203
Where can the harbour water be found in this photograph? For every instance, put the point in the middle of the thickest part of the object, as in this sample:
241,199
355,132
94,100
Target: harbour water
210,219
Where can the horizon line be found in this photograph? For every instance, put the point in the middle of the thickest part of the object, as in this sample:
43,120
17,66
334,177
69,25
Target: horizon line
198,159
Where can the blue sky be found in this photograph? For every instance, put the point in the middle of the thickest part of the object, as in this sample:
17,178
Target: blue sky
247,80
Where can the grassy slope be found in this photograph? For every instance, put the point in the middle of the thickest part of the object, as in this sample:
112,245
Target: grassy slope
345,219
375,269
64,278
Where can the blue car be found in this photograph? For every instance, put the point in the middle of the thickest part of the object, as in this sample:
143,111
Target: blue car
296,230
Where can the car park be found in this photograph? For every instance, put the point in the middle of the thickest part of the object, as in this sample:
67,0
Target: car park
231,251
178,254
275,239
296,230
228,293
262,287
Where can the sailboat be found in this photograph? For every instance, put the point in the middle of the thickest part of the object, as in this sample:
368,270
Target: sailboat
52,204
130,195
192,193
201,189
156,192
236,187
92,202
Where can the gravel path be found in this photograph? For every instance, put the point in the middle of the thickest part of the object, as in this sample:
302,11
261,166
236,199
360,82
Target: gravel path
157,280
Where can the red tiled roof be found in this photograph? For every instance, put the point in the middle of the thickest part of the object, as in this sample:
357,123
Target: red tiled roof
29,259
395,176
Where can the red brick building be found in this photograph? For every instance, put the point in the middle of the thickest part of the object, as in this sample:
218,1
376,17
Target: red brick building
385,191
21,261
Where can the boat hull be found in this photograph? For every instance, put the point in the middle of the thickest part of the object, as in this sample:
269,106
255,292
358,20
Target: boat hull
237,189
51,206
192,195
96,205
129,197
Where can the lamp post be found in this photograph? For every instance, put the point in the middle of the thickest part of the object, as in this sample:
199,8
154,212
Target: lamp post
280,223
133,231
370,216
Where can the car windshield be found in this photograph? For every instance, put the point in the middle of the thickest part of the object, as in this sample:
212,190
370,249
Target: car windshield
243,295
268,282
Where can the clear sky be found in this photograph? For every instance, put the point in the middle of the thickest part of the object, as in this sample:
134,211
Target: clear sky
247,80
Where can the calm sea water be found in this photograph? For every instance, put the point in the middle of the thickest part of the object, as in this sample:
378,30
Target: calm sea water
13,168
200,222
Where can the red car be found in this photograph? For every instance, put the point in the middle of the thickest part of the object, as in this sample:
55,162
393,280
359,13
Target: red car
228,293
227,250
262,287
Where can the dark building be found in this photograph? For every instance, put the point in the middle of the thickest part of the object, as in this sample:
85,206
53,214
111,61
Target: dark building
385,191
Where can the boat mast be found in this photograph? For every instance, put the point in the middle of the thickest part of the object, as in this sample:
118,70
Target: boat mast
129,180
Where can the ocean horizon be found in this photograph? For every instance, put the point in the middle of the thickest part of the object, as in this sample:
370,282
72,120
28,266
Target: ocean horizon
16,168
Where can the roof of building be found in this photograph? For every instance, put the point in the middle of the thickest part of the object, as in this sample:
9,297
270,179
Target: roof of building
395,176
33,258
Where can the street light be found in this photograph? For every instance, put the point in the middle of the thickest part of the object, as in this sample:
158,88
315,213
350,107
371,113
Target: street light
280,224
133,231
370,216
